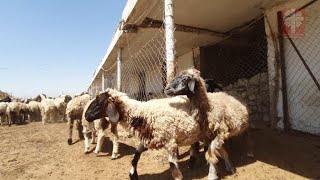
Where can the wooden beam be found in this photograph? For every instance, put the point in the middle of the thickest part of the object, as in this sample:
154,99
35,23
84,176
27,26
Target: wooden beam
153,23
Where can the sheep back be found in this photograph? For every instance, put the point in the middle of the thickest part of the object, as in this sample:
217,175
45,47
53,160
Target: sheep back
230,113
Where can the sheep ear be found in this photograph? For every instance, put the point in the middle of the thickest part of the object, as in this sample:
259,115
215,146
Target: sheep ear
112,113
191,85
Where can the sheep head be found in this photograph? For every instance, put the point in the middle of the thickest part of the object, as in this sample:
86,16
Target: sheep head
67,98
184,83
102,106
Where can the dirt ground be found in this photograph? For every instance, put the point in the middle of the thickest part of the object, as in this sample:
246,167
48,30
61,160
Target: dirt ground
36,151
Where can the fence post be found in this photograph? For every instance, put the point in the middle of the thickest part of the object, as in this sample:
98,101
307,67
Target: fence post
103,87
97,89
169,31
119,62
286,121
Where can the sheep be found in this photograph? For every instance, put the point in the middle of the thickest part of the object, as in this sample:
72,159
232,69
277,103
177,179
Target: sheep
13,112
48,110
24,112
61,105
158,123
98,126
34,111
212,86
6,99
220,110
74,113
3,113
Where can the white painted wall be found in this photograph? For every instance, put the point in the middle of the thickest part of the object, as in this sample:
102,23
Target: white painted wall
185,61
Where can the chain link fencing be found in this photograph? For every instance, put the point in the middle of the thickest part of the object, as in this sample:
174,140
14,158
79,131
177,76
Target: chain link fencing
246,64
301,49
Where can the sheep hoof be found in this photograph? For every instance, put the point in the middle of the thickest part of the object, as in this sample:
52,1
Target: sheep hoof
96,152
114,156
191,162
86,150
69,141
133,176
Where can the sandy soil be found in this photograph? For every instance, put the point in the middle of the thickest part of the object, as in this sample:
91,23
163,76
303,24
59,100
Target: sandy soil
36,151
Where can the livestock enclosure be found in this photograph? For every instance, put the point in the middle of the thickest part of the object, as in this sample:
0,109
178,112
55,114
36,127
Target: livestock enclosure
264,52
246,51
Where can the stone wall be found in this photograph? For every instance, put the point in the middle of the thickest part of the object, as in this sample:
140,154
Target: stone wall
255,93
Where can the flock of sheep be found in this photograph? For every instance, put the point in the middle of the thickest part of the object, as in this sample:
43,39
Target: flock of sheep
189,116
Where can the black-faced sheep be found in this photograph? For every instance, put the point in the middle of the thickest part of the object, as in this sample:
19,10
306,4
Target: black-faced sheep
228,115
97,128
159,123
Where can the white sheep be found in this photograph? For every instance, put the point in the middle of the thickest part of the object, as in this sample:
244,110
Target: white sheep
13,112
3,112
24,112
61,105
74,112
48,110
220,111
159,123
34,111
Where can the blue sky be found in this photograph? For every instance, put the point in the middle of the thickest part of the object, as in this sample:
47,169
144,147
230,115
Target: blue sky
54,46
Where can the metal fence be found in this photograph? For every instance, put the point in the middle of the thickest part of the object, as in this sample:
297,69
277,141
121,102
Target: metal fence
239,65
301,53
243,65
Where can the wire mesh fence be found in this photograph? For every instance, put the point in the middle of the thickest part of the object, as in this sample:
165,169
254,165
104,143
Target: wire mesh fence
144,73
239,64
301,31
246,65
143,70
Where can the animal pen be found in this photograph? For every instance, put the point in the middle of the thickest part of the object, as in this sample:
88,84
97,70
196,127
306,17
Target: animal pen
255,58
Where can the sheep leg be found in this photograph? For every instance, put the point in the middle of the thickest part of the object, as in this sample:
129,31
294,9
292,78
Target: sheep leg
212,158
86,143
133,174
70,126
224,155
115,143
194,152
175,172
80,129
44,118
94,135
9,118
99,141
